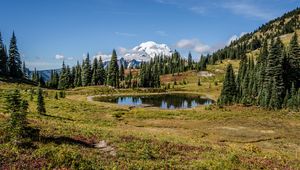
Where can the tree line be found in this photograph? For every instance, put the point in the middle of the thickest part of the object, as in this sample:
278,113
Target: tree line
271,81
91,74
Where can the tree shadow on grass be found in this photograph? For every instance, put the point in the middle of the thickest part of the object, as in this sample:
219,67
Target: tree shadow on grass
65,140
57,117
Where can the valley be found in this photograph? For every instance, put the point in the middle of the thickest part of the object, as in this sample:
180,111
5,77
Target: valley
229,105
201,137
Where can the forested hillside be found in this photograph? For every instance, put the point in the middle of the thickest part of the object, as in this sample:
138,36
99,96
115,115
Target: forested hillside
271,78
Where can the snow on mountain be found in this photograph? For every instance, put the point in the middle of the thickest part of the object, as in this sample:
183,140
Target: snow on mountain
143,52
147,50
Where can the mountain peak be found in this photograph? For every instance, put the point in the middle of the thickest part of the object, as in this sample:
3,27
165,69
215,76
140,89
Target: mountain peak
147,50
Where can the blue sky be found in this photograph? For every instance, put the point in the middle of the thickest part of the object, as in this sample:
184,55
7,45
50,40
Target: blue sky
51,30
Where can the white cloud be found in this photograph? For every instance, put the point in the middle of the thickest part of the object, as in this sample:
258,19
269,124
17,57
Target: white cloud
161,33
235,37
104,57
194,44
62,57
126,34
248,10
59,57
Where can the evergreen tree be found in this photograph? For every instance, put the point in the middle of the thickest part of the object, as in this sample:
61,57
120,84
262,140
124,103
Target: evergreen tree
56,96
102,73
14,61
3,58
199,82
63,79
17,131
156,76
122,73
77,79
129,79
113,71
40,102
190,61
228,93
86,72
292,103
24,70
274,74
275,100
294,61
261,71
95,75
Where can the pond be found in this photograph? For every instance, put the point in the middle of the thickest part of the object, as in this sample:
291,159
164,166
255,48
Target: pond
164,101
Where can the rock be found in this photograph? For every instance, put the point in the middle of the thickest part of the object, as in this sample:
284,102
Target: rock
103,146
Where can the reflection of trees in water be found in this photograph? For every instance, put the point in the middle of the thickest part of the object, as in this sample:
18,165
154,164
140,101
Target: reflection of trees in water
163,101
175,101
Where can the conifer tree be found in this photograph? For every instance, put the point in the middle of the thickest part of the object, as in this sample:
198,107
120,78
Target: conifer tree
24,70
3,58
102,73
275,100
294,61
77,79
129,79
56,96
190,61
68,77
199,82
274,74
228,93
63,79
122,73
86,72
261,70
95,75
14,61
156,76
40,102
113,71
17,130
292,103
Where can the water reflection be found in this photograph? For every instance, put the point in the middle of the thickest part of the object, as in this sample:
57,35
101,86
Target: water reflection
165,101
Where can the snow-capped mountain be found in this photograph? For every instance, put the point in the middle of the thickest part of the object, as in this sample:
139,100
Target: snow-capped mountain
143,52
147,50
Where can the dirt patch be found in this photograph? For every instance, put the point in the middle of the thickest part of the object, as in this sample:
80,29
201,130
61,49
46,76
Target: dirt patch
205,74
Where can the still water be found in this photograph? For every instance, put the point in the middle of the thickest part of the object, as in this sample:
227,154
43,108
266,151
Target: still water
164,101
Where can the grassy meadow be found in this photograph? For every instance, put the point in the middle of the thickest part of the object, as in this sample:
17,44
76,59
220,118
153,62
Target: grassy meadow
77,133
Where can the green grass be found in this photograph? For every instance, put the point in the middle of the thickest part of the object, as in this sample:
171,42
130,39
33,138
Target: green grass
208,137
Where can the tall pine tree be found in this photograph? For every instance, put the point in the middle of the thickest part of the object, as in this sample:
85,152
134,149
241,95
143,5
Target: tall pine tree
14,60
113,71
86,71
3,58
228,94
